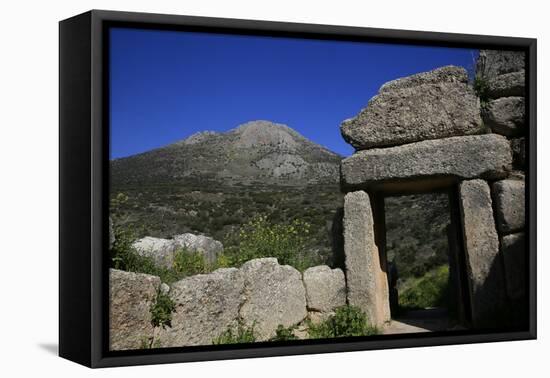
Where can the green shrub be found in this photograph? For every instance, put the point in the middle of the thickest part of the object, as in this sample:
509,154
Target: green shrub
189,263
122,250
283,334
241,335
161,311
260,238
124,257
223,261
346,321
481,88
431,290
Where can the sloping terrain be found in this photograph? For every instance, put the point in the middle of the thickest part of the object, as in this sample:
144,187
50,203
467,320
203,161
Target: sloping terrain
212,183
255,153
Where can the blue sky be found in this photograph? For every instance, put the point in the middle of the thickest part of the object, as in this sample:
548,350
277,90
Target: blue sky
168,85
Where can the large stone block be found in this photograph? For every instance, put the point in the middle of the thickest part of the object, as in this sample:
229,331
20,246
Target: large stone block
491,63
273,295
430,105
325,288
510,84
161,251
206,306
131,296
515,259
447,74
366,279
483,260
509,205
506,115
208,247
487,156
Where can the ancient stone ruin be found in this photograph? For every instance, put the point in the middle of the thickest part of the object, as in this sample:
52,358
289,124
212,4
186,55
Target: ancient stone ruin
261,293
431,132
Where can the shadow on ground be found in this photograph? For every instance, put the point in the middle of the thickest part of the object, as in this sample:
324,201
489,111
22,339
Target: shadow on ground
51,348
427,320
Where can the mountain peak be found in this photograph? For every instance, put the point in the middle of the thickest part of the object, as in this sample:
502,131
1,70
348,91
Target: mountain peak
259,123
262,132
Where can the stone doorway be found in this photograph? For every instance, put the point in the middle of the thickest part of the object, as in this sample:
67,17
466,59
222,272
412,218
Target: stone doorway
418,234
428,132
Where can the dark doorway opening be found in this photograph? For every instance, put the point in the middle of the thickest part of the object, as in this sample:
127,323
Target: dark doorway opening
424,261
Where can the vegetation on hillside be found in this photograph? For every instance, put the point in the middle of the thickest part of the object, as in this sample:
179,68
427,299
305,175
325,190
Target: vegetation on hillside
256,239
417,244
263,238
221,211
430,290
416,233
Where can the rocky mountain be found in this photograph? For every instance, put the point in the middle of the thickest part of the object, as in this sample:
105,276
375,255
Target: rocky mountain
214,182
255,153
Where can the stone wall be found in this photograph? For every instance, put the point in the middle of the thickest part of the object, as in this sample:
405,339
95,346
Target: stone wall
262,295
504,112
431,131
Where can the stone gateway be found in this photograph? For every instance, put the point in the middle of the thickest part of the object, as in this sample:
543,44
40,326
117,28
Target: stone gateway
428,132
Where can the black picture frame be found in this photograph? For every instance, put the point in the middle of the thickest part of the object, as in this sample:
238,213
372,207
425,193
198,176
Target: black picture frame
83,180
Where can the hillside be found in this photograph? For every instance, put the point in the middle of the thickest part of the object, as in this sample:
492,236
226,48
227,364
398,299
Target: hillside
212,183
255,153
416,235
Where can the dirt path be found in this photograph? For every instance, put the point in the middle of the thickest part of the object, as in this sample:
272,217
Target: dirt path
427,320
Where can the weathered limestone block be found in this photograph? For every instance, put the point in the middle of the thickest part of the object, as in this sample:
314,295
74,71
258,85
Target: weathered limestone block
206,306
205,245
325,288
510,84
273,295
430,105
509,205
161,251
518,152
486,156
506,115
366,280
497,62
483,261
131,296
447,74
515,258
